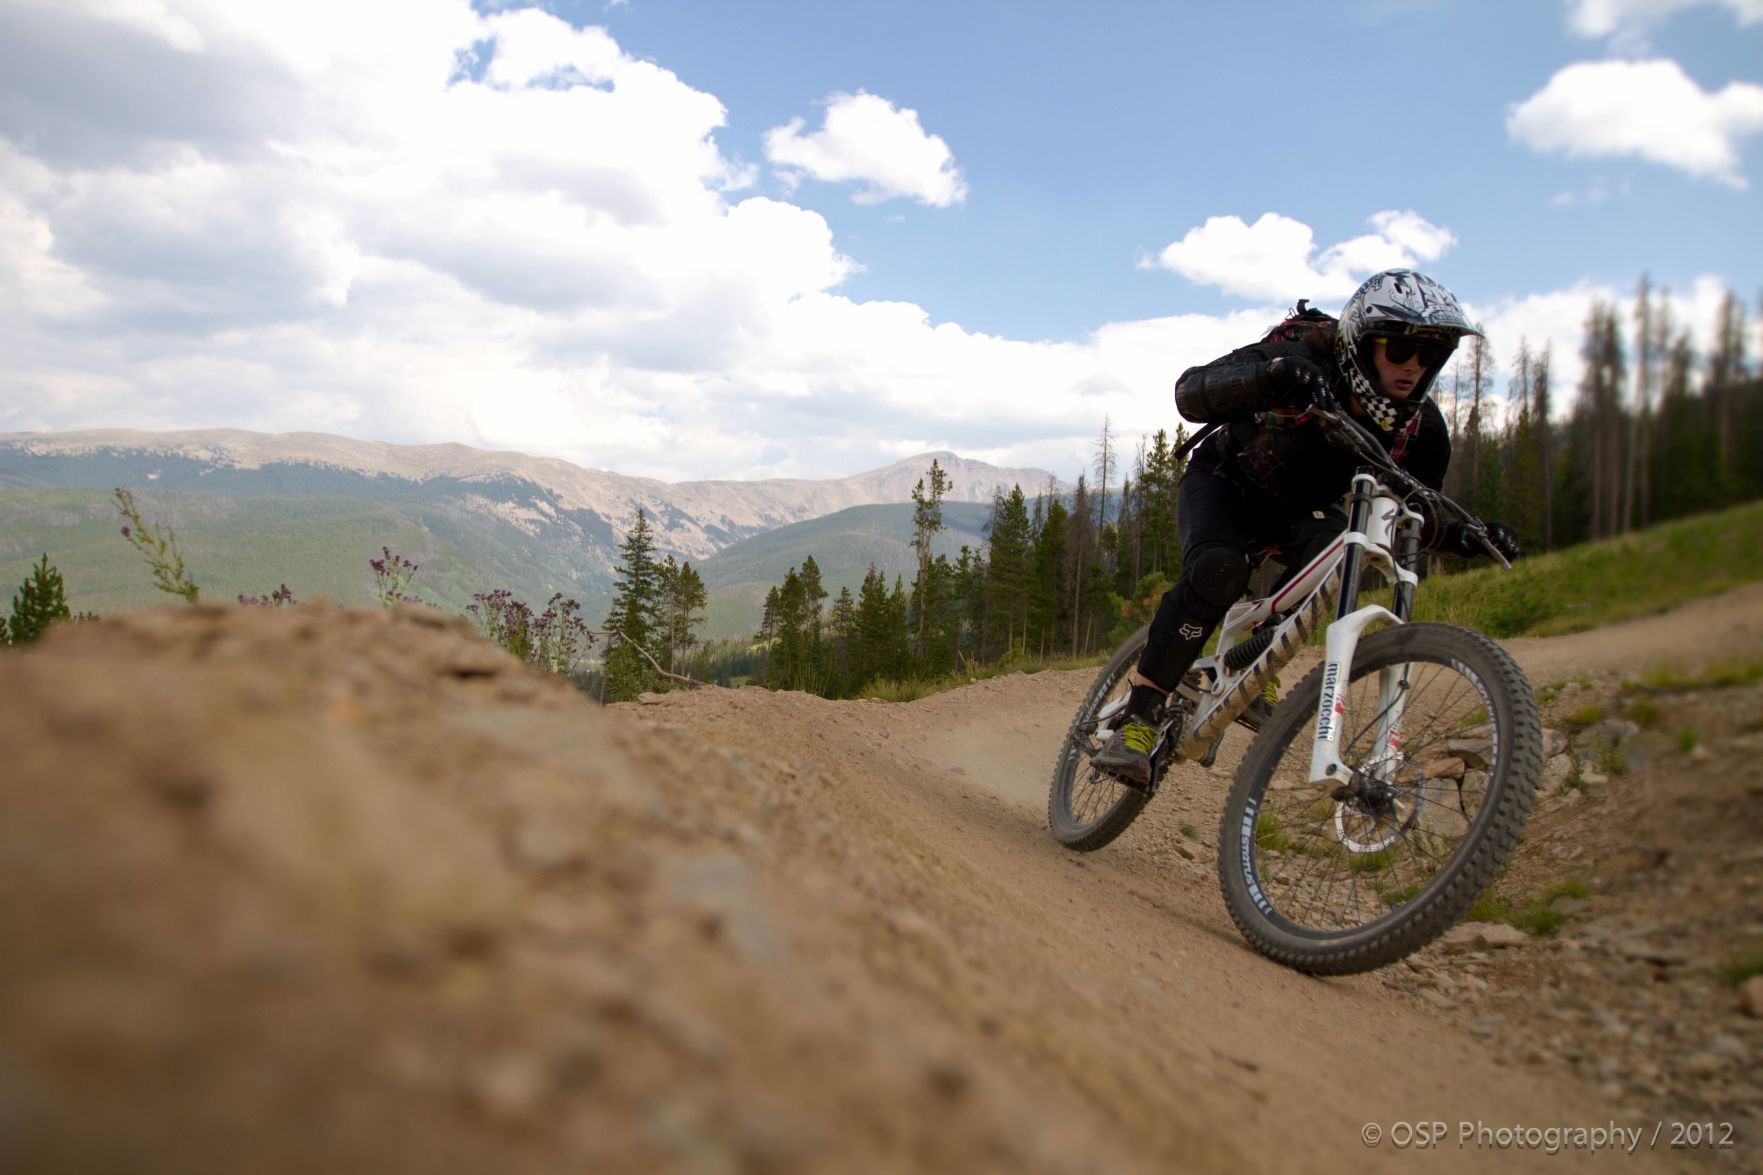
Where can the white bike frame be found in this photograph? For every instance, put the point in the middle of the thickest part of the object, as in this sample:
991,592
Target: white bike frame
1379,528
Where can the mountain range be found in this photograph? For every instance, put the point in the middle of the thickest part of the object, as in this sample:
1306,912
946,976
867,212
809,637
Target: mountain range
253,510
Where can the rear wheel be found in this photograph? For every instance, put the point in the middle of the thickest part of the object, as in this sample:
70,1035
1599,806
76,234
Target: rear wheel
1336,877
1087,808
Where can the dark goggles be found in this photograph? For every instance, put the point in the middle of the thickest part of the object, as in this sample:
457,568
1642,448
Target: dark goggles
1401,348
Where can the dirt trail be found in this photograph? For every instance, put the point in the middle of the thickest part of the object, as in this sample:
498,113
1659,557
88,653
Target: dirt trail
313,889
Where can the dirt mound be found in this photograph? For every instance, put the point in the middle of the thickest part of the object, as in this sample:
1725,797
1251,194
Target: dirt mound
325,889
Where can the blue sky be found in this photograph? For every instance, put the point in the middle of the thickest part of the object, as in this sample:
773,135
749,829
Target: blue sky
686,239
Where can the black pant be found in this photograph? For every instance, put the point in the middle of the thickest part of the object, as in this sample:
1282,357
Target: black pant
1220,529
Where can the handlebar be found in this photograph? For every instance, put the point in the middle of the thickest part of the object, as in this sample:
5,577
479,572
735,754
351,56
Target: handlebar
1341,425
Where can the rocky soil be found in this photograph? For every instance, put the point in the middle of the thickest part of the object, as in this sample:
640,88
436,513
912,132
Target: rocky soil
314,889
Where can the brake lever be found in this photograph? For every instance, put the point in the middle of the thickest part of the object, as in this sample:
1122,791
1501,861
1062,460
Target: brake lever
1479,529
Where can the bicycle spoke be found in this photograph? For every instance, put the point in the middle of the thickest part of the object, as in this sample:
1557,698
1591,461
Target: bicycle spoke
1336,866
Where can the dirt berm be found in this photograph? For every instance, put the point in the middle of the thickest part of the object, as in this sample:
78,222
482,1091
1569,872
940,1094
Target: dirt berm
312,889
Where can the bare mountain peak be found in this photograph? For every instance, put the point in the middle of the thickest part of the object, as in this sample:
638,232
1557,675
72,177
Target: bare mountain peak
694,518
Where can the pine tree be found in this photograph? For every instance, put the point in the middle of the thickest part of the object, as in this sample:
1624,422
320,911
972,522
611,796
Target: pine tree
1157,489
927,522
873,647
842,634
1726,372
1480,379
1542,398
1007,571
1523,464
682,596
968,589
1047,578
1104,472
1078,556
40,602
792,626
1637,507
1685,453
635,616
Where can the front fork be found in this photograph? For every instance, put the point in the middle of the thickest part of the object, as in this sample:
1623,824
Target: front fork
1342,641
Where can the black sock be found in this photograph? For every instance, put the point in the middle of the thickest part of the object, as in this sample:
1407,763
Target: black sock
1142,703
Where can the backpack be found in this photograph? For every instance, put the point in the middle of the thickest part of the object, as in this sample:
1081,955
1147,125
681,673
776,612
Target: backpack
1299,320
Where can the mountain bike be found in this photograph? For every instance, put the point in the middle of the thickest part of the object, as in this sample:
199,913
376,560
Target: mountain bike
1385,792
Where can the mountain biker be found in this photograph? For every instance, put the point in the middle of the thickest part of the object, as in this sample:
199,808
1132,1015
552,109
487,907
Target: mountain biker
1269,477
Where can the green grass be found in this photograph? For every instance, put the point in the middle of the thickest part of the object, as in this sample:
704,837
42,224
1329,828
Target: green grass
1644,713
1719,675
910,689
1595,584
1189,831
1588,715
1687,740
1536,915
249,544
1396,896
1270,835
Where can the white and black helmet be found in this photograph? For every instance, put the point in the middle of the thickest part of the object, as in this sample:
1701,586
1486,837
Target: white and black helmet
1396,303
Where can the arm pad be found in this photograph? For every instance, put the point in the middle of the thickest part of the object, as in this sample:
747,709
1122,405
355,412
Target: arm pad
1206,394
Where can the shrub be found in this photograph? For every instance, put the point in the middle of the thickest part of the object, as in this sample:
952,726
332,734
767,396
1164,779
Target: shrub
1585,716
1645,713
554,640
40,602
160,550
281,596
392,574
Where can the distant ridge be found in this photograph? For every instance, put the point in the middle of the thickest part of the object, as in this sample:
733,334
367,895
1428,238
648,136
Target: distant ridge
692,518
254,510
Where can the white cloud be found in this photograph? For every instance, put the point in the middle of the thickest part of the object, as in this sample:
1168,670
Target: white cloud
865,139
1649,109
1276,257
1628,21
557,258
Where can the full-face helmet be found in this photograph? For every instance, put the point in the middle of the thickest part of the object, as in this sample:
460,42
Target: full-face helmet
1398,304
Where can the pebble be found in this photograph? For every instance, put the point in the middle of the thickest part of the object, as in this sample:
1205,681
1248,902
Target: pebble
1483,934
1751,997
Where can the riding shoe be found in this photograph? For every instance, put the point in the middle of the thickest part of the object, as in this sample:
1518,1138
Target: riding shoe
1127,754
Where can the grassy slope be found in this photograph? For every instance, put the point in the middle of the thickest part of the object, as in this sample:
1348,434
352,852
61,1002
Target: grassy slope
1595,584
231,545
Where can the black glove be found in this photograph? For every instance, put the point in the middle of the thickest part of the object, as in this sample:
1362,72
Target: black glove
1296,381
1460,540
1505,540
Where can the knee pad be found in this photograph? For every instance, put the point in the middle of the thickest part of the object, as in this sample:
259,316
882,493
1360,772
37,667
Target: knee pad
1217,574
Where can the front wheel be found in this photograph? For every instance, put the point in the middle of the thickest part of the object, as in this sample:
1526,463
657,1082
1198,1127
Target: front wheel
1087,808
1443,737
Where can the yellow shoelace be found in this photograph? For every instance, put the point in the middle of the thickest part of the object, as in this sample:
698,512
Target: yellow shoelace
1139,737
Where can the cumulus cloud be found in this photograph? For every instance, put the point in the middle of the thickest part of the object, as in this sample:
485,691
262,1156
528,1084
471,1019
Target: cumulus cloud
1627,22
866,139
1276,257
416,222
1648,109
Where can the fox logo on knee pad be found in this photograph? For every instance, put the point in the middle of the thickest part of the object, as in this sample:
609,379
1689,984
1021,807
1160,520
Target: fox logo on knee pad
1192,632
